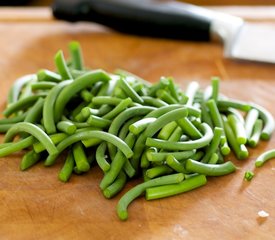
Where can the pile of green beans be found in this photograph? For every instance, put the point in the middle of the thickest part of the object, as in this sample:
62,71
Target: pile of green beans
129,128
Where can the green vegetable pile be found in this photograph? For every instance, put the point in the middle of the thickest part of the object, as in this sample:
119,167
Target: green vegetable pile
129,128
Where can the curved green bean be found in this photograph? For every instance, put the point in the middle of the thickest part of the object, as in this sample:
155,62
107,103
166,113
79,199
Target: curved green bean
268,120
16,88
48,109
136,191
264,157
87,79
100,157
84,135
182,146
209,169
34,131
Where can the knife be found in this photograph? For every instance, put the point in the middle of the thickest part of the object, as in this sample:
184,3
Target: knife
177,20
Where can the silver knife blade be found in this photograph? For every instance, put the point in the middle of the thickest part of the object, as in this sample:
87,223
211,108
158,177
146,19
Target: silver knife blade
254,42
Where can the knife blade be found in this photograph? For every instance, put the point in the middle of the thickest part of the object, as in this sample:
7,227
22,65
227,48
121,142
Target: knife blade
175,20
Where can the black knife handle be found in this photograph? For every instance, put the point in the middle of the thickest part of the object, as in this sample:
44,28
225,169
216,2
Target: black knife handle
143,17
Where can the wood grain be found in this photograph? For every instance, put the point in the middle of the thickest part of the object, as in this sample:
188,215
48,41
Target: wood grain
35,205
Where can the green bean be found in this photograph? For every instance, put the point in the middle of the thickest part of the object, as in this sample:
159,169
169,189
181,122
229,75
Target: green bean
215,82
139,126
167,130
190,92
66,127
209,169
125,129
173,89
43,85
257,130
67,169
35,113
45,75
188,128
16,88
61,66
99,122
162,110
173,163
86,95
101,100
16,146
5,127
123,117
154,102
48,109
250,121
33,130
267,120
101,157
158,171
56,138
118,109
225,149
136,191
176,135
22,104
264,157
153,128
213,158
248,175
116,186
117,163
182,146
243,106
161,156
239,150
166,97
76,55
87,111
88,79
237,114
174,189
126,73
80,158
27,90
16,119
144,162
212,148
80,136
205,116
29,159
197,156
237,128
109,88
214,112
129,90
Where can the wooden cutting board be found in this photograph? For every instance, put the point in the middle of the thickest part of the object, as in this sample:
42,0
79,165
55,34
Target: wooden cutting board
35,205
